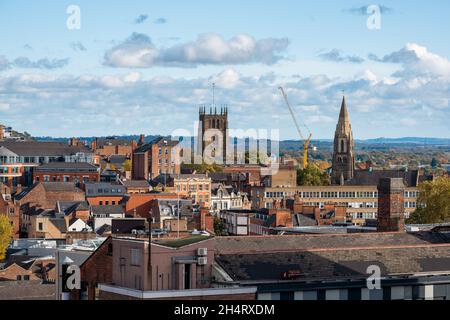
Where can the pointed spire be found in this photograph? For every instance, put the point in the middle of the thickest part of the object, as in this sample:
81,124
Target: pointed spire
343,116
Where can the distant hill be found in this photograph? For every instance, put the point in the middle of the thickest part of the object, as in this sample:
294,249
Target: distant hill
408,140
90,139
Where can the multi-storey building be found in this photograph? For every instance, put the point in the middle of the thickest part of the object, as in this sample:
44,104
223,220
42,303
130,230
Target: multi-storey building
156,158
18,158
195,186
360,199
77,173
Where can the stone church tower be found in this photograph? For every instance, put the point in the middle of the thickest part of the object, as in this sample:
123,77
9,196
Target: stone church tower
212,125
343,156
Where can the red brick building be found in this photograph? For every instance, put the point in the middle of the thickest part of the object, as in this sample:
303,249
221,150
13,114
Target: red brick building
153,159
78,172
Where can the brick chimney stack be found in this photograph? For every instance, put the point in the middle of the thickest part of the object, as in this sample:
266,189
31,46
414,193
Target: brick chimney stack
391,205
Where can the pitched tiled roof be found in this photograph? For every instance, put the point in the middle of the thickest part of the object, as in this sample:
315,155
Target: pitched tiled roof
26,290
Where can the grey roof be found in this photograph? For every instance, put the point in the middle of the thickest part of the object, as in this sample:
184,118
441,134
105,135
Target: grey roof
104,189
371,178
97,210
328,241
67,167
161,142
303,220
41,149
67,207
136,183
26,290
335,264
106,228
60,224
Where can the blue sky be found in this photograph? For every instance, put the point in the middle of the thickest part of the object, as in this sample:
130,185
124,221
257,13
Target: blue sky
144,66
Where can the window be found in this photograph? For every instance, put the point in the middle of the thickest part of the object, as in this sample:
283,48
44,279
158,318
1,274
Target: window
135,257
19,278
26,277
41,226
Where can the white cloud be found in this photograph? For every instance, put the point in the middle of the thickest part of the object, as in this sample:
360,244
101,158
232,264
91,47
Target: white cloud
378,107
138,51
417,61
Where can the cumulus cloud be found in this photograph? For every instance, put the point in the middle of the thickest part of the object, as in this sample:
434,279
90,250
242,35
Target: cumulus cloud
337,56
138,51
141,19
416,61
378,106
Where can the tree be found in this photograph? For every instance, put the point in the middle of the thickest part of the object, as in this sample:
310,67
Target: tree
5,235
312,176
433,202
434,163
218,226
204,168
127,165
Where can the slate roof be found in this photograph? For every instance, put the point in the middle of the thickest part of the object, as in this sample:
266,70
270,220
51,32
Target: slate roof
68,207
97,210
160,142
67,167
303,220
335,264
136,183
228,245
104,189
60,224
371,178
41,149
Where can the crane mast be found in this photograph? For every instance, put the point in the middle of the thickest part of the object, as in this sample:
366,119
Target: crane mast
307,141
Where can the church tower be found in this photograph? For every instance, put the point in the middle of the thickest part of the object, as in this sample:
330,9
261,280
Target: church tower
343,155
212,125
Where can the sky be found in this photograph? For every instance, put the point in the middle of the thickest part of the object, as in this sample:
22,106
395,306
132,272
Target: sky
84,68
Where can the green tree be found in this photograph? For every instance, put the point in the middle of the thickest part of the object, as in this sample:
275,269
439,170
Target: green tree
5,235
433,202
218,226
312,176
434,163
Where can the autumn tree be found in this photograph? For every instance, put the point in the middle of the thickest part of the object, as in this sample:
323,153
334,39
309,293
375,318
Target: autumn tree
312,176
5,235
126,165
433,202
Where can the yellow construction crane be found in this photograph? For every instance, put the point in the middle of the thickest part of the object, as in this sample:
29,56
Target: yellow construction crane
306,141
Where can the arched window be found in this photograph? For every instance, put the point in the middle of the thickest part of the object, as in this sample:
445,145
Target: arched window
342,145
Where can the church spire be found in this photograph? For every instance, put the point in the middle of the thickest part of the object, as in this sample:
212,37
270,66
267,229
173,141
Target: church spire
343,116
343,154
